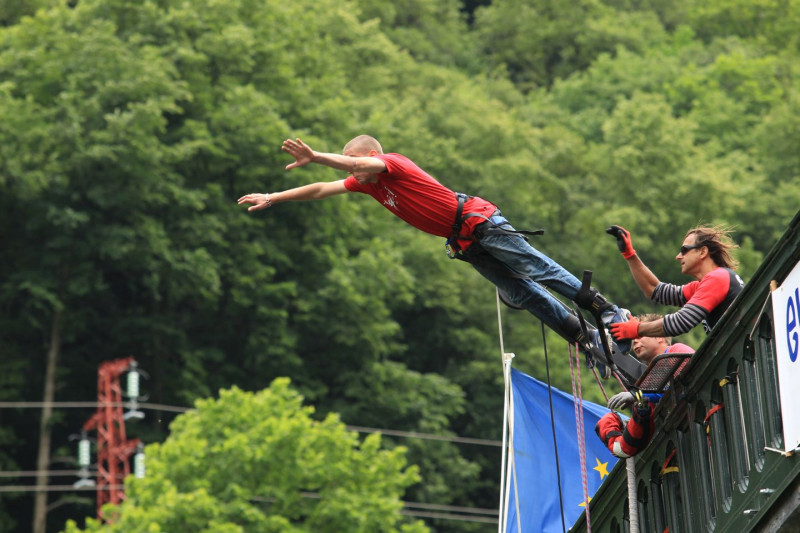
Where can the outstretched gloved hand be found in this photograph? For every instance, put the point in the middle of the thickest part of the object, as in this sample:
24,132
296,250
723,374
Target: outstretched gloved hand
623,237
625,330
622,400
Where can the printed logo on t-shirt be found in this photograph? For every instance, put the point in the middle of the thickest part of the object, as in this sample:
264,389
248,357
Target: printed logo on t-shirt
389,197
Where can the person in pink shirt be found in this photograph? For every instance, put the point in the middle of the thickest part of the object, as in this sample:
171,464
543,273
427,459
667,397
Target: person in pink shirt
475,230
704,255
647,349
626,439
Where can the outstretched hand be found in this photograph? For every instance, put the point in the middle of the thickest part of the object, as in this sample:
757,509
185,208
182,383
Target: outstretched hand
302,153
258,199
623,237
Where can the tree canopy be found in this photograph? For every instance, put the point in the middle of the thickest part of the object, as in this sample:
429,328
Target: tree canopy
128,130
258,462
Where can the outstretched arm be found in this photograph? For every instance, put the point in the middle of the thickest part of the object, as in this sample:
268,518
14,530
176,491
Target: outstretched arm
355,163
652,329
643,276
633,329
312,191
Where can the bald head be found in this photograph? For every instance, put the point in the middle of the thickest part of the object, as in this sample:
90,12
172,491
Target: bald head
362,146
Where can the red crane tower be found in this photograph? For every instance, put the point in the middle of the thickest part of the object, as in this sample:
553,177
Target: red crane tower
113,447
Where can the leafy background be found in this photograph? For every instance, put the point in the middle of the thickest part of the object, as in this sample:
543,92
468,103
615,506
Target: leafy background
128,130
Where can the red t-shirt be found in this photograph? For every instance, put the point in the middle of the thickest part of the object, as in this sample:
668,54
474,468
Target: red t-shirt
417,198
714,292
709,292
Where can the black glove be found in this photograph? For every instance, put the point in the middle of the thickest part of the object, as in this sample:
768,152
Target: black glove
623,237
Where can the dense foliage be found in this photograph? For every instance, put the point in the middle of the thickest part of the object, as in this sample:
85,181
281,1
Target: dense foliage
128,129
260,463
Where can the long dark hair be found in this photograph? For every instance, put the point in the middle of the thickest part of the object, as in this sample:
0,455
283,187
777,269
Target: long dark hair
719,243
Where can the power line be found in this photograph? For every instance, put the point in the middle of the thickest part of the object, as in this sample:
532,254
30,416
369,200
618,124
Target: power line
452,508
443,516
430,436
412,509
50,473
91,405
413,506
54,488
308,495
179,409
408,505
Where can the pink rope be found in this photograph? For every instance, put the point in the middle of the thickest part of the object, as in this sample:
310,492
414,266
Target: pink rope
599,382
577,394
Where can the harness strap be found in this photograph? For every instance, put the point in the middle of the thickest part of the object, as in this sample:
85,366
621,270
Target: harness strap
665,468
711,412
462,199
479,231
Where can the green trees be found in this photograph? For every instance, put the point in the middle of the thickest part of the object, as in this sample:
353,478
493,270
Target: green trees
128,129
259,462
541,41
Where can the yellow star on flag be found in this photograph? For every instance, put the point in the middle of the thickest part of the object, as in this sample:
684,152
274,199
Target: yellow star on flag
583,504
602,468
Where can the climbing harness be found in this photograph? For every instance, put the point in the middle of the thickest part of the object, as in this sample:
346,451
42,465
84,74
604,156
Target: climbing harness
487,227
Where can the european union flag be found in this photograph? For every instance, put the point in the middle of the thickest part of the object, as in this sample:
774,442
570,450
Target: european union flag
535,458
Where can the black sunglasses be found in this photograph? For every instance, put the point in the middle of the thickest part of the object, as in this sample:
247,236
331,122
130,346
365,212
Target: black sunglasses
686,249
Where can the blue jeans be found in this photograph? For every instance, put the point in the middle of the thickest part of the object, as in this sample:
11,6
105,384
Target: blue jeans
514,252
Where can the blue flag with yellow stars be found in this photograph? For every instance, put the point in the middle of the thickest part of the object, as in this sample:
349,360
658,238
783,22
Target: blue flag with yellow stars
535,458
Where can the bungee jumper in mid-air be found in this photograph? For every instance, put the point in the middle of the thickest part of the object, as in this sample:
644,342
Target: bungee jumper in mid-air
476,232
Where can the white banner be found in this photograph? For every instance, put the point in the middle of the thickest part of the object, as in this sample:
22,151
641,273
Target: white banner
786,316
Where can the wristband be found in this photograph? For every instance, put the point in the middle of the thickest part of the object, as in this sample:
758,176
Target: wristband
267,200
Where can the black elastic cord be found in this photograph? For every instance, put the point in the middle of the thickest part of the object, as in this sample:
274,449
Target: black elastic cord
553,425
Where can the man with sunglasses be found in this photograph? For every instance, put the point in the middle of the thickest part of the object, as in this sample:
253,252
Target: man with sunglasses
704,255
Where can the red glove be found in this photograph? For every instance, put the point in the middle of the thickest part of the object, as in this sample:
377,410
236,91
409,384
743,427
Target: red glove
623,241
625,330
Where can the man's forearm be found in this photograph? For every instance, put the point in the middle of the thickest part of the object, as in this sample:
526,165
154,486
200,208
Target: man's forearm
312,191
366,164
337,161
652,329
645,279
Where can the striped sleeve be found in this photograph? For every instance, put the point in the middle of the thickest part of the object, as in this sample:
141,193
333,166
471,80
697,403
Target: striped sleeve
684,320
668,294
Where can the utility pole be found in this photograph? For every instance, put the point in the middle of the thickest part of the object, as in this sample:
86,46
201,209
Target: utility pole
113,447
43,458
